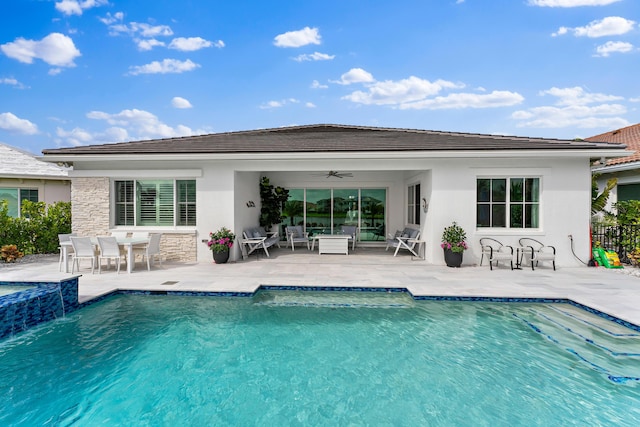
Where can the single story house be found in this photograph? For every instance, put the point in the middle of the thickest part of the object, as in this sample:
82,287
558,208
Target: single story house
625,169
23,177
381,179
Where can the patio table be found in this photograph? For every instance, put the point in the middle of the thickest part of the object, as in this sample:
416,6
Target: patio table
127,242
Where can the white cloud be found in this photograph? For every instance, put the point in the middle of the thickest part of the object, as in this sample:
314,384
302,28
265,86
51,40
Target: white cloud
355,75
12,123
110,19
613,47
164,67
54,71
310,105
75,7
278,104
141,29
570,3
399,92
497,98
179,102
76,136
317,85
12,82
187,44
578,96
315,56
298,38
55,49
609,26
572,109
139,124
148,44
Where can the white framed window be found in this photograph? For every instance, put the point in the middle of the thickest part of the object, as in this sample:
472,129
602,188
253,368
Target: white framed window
413,204
155,202
14,198
508,202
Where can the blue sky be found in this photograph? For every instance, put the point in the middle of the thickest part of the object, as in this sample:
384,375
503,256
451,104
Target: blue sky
78,72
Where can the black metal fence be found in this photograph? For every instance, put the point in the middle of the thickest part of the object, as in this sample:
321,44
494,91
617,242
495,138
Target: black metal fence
624,239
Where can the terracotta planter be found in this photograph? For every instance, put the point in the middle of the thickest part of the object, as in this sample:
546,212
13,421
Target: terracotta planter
221,257
452,259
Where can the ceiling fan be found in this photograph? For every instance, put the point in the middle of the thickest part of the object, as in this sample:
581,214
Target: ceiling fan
335,174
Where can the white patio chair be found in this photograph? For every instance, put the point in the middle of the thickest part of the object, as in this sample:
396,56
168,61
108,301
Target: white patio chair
64,238
119,234
296,234
140,249
350,230
83,248
152,249
109,249
534,252
495,251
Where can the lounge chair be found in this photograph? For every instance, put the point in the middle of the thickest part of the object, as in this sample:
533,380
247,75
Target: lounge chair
255,238
296,234
495,251
534,252
350,230
404,239
83,248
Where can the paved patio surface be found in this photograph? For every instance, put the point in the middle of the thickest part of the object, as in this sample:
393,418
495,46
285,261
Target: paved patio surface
611,291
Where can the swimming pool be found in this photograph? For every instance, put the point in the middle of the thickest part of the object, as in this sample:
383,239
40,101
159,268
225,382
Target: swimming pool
305,358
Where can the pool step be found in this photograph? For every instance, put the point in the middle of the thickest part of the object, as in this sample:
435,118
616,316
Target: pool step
333,299
605,346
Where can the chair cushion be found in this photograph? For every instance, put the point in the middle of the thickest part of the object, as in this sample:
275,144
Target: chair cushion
257,235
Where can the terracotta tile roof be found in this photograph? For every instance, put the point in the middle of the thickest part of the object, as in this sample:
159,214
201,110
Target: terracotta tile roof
629,136
328,138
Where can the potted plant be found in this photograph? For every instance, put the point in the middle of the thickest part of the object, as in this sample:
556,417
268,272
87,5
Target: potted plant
454,244
220,242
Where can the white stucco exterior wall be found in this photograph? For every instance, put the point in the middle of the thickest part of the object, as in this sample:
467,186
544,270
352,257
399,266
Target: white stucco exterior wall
449,184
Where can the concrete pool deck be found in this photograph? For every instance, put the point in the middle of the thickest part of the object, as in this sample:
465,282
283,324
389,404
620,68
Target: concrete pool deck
611,291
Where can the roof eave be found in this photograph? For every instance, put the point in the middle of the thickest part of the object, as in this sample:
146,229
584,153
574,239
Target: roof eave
440,154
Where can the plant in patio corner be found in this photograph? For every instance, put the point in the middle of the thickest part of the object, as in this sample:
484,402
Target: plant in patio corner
453,238
221,240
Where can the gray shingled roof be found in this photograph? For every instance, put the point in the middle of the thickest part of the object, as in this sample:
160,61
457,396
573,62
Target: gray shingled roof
16,163
330,138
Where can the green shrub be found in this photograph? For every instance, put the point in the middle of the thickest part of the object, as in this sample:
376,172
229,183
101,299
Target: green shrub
36,230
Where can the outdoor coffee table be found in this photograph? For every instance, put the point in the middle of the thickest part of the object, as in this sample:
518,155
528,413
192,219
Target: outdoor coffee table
331,243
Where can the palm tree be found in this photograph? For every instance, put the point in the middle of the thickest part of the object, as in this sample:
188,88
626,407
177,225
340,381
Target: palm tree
599,201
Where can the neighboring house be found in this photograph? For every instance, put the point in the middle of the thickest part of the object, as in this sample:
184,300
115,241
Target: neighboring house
625,169
505,187
23,177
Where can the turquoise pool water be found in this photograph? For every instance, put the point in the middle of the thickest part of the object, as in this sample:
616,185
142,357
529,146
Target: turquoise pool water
305,358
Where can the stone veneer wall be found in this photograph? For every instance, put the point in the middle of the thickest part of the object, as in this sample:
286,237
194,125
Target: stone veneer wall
90,217
90,206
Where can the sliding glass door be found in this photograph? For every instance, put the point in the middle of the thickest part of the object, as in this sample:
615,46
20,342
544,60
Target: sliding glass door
325,210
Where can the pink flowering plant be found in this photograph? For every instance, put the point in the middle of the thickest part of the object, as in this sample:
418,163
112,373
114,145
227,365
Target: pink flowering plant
453,238
221,240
